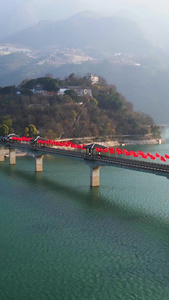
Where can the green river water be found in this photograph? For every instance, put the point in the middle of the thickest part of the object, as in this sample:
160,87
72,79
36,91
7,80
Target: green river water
60,239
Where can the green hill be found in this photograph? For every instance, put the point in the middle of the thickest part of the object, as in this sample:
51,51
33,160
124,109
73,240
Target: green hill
106,113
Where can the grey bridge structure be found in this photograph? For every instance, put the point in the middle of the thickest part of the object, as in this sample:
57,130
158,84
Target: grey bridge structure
94,161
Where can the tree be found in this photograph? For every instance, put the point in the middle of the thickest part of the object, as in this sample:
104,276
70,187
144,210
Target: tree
74,114
27,92
94,102
4,129
26,131
7,90
59,130
7,121
102,81
51,85
32,130
51,134
71,93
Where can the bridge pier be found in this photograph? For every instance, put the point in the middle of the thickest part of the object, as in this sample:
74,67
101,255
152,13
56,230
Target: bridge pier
2,156
94,176
12,156
39,163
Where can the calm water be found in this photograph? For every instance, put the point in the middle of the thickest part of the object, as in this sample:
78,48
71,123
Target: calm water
59,239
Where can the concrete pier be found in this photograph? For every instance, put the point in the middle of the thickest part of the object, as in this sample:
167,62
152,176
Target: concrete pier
12,156
39,163
94,176
2,156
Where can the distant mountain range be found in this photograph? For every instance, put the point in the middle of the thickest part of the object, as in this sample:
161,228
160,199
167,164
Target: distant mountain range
113,47
103,35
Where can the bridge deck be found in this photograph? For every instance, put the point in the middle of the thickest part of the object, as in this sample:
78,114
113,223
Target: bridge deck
138,165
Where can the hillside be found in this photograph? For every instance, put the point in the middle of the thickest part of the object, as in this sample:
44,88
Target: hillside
83,109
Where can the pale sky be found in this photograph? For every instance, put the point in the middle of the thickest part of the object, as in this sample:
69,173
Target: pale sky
54,9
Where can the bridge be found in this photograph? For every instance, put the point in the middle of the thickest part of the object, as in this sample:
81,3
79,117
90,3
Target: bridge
86,154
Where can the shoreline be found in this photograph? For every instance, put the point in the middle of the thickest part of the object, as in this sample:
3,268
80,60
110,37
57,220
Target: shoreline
129,142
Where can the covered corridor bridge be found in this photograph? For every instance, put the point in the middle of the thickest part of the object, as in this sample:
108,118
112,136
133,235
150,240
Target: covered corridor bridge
94,160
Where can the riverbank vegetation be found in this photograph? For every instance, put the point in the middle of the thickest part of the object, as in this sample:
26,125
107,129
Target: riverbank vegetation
81,109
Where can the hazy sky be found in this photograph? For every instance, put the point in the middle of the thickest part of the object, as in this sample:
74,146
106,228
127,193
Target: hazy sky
34,10
19,14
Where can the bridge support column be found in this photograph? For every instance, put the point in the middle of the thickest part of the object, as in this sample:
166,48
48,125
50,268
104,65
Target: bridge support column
39,163
94,176
12,156
2,156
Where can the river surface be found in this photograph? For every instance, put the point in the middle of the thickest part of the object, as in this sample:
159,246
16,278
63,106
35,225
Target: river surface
60,239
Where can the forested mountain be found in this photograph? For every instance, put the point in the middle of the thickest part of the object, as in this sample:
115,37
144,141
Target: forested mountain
70,114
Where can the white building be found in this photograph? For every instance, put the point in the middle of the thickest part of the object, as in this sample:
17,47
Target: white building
62,91
94,79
